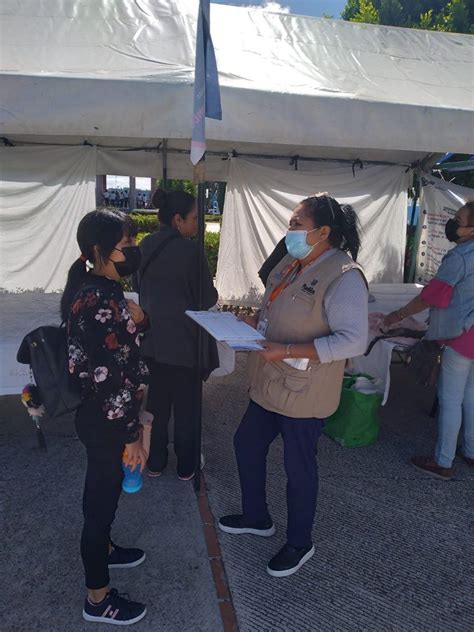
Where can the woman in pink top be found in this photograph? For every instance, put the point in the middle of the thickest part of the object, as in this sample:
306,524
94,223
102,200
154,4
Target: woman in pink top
450,297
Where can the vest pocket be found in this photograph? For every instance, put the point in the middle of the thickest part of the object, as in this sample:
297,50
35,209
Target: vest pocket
283,390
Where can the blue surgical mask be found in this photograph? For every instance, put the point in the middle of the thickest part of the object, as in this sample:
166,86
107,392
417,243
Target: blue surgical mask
296,244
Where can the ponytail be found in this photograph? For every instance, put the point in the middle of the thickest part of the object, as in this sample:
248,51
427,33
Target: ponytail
97,235
341,219
76,277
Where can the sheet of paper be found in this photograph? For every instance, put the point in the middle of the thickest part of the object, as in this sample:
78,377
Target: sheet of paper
242,345
297,363
224,326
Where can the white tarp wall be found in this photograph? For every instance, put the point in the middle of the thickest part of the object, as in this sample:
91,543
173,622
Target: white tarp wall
439,201
260,199
44,192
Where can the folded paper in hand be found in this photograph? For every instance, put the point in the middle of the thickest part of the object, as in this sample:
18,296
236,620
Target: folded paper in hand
226,328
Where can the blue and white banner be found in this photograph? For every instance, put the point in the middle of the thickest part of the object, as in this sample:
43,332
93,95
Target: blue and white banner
207,98
439,201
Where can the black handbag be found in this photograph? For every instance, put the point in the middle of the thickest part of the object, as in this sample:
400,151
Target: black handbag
425,360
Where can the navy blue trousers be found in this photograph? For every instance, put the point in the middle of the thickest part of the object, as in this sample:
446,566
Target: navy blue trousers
258,429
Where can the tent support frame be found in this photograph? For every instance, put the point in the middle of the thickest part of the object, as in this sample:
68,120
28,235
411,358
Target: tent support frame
293,160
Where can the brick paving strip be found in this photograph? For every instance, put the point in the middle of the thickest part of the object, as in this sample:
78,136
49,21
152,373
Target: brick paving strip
224,597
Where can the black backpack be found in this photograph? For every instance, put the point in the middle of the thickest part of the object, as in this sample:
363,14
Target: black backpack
45,350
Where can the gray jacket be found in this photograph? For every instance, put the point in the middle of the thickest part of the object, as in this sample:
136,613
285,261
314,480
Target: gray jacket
168,288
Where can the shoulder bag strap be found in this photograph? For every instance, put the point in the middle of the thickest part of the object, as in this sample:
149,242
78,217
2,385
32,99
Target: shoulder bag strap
154,255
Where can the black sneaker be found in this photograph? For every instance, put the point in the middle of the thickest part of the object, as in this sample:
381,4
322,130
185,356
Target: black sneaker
115,609
236,525
288,560
125,558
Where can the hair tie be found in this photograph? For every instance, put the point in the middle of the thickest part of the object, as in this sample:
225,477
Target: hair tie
83,258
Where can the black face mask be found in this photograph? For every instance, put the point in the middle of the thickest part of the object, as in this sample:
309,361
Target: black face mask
133,259
451,230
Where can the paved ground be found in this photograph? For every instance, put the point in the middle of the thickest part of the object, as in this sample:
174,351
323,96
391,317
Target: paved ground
394,548
41,512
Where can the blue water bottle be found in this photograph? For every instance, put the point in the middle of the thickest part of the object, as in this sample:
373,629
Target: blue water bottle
132,480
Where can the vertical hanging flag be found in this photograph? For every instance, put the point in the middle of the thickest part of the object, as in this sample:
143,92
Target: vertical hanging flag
207,98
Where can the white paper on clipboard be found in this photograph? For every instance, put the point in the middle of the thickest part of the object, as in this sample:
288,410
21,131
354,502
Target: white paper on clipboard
225,327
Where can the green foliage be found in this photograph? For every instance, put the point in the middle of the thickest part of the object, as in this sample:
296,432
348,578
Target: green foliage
211,243
391,12
426,20
367,13
350,10
146,222
179,185
439,15
455,18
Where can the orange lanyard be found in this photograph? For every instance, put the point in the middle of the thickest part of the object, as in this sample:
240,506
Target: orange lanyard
289,276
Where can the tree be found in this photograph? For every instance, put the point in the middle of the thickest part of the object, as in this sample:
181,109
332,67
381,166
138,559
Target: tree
456,17
391,12
367,13
439,15
179,185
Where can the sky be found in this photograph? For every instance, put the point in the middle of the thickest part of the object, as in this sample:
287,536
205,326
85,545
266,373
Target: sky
122,182
302,7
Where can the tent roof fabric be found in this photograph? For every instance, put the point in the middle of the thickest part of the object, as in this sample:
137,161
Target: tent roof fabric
106,70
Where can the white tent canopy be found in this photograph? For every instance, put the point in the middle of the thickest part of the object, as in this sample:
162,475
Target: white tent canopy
121,74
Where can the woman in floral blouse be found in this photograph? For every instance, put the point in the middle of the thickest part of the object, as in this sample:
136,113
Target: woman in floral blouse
103,337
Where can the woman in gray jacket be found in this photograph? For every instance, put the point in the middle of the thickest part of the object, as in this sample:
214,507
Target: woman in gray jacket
169,285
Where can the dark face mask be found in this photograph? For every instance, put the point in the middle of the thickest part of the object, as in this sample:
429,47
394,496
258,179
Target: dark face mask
133,259
451,230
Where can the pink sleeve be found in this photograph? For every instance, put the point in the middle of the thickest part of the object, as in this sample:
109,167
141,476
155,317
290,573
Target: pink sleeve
437,293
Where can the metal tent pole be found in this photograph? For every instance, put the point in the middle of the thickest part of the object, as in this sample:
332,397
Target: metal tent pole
199,172
164,154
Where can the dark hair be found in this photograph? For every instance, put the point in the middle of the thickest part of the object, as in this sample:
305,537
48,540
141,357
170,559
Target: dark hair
470,209
342,220
172,203
103,229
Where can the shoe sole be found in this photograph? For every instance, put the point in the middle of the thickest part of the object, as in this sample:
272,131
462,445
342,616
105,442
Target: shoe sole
92,619
264,533
154,474
130,564
433,474
291,571
186,478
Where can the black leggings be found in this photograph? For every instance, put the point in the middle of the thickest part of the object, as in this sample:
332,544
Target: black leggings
173,388
102,490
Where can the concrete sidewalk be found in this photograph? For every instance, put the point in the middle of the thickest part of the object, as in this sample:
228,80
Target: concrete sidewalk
394,547
42,576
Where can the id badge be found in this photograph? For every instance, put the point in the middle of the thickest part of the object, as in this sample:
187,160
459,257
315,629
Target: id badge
262,326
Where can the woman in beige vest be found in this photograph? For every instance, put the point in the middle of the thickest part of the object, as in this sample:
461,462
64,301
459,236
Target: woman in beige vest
314,316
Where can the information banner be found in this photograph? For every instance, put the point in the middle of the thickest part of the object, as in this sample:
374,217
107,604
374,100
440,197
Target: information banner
439,202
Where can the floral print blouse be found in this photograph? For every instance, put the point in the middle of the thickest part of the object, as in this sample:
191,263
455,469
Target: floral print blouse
103,342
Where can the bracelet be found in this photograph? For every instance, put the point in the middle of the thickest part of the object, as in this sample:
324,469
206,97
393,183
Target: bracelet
288,347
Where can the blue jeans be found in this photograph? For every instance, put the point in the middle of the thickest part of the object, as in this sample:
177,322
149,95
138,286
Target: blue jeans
258,429
456,407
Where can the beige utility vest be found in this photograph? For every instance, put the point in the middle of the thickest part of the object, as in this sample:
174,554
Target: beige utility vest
297,315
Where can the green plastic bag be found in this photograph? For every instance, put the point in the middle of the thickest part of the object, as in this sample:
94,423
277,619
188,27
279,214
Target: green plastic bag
355,423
